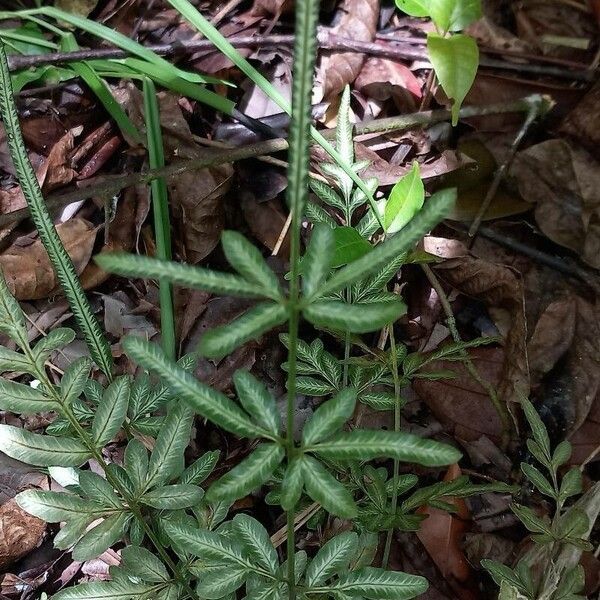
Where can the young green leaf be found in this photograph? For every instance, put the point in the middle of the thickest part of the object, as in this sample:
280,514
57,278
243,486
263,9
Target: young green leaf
42,450
326,489
54,507
366,444
292,484
173,497
332,558
414,8
378,584
316,263
405,200
538,429
205,400
454,15
257,542
111,411
100,538
455,60
220,341
248,475
247,260
540,482
434,210
257,401
348,246
355,318
143,564
180,274
329,417
21,398
75,379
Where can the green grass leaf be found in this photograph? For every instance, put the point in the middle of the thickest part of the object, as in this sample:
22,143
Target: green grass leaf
455,60
405,200
332,558
329,417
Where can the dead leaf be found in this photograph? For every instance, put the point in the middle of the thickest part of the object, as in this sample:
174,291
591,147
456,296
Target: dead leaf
563,182
20,533
266,221
357,21
78,7
26,265
583,122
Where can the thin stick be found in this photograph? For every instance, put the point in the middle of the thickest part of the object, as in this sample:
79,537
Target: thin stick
284,232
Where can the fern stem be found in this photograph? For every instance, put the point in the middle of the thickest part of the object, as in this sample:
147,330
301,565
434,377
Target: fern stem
61,261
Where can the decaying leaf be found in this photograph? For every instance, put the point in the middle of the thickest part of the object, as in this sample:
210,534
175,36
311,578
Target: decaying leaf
20,533
78,7
583,122
26,265
357,21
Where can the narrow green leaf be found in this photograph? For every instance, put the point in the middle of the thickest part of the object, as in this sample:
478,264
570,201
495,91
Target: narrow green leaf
349,245
574,524
220,341
248,475
111,411
316,263
201,468
538,429
105,590
166,460
42,450
247,260
12,319
332,558
500,573
405,200
434,210
329,417
366,444
540,482
257,401
455,60
326,489
378,584
135,461
292,484
257,542
54,507
561,454
173,497
14,361
72,531
531,521
100,538
21,398
75,379
180,274
355,318
144,564
205,400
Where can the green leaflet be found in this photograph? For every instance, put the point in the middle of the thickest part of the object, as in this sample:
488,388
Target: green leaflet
173,497
365,444
316,263
455,61
257,542
61,261
292,484
326,489
57,338
143,564
222,582
355,318
329,417
332,558
258,402
454,15
54,507
201,468
74,380
414,8
135,462
21,398
404,201
42,450
220,341
99,490
111,411
248,475
348,246
178,274
378,584
101,537
106,590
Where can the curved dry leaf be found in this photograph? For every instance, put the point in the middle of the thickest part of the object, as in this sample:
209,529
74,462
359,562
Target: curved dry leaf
20,533
583,122
27,268
358,21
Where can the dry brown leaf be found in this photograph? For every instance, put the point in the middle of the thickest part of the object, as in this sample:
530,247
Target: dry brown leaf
583,122
26,265
266,222
20,533
564,183
357,21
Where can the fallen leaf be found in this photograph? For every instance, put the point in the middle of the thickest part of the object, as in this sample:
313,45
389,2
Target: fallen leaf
78,7
583,122
357,21
563,182
266,221
20,533
27,268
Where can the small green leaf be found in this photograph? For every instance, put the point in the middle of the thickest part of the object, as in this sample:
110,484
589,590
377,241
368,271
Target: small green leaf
572,582
13,361
538,429
111,411
54,507
173,497
222,582
257,401
56,339
201,468
378,584
220,341
247,260
96,488
100,538
42,450
326,489
21,398
571,484
366,444
332,558
454,15
136,463
121,589
562,453
257,542
500,573
248,475
348,246
12,319
329,417
72,531
292,484
355,318
405,200
316,263
414,8
455,60
573,524
540,482
75,379
143,564
531,521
